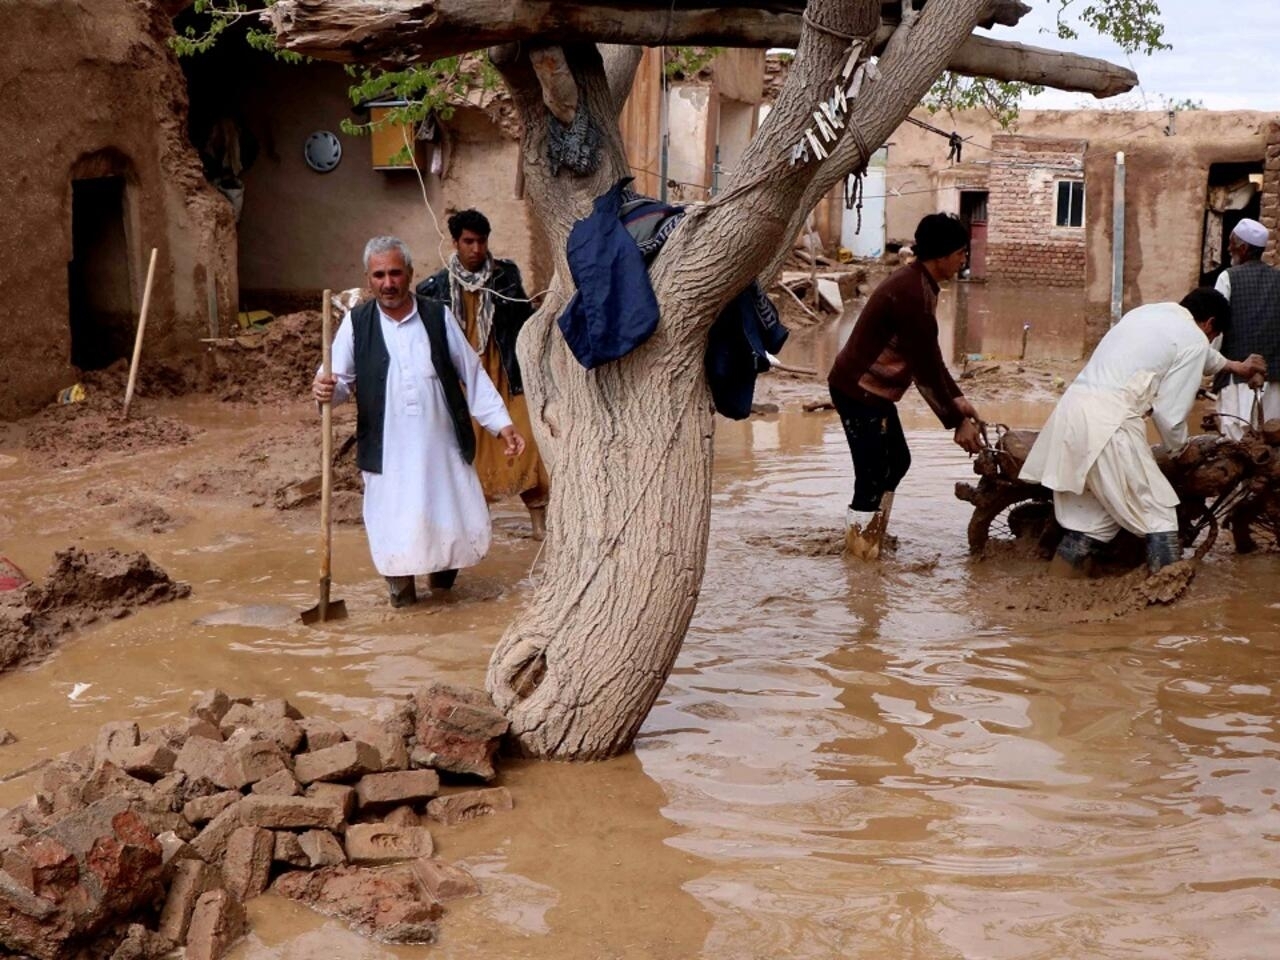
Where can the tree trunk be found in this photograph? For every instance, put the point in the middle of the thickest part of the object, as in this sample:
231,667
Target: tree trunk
629,447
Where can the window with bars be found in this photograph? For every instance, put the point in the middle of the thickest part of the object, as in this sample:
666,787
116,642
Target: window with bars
1070,203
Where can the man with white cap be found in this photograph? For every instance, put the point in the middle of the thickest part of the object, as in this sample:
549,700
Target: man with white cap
1253,289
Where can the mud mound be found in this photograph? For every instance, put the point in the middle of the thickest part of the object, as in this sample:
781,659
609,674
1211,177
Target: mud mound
154,380
1017,379
272,365
79,433
80,589
150,517
1095,600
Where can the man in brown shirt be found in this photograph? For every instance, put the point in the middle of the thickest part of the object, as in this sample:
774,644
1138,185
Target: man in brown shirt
894,344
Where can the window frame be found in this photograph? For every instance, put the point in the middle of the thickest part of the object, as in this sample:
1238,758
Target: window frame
1071,186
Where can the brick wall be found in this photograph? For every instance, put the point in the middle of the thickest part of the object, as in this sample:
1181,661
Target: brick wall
1024,244
1271,191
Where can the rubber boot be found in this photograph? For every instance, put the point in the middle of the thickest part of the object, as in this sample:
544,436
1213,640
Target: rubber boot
538,519
401,591
442,579
1072,558
1163,549
862,535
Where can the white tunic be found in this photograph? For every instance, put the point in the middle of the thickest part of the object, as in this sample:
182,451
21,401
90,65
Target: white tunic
1152,361
425,511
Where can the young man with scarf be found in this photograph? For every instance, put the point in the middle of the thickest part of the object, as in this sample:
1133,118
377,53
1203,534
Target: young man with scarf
487,299
894,344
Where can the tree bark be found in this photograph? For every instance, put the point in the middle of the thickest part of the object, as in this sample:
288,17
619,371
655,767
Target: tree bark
396,32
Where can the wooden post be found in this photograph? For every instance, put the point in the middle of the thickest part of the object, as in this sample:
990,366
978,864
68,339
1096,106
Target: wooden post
1117,242
142,326
326,456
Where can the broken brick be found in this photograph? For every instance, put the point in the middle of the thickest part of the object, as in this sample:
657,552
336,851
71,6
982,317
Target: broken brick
469,804
322,849
216,924
246,867
203,809
344,761
191,879
321,733
372,843
281,784
379,791
289,813
445,881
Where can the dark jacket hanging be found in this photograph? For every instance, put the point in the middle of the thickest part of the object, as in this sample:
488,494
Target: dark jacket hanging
614,309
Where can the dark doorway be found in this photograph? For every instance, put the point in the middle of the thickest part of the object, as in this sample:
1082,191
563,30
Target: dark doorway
1235,192
973,214
98,274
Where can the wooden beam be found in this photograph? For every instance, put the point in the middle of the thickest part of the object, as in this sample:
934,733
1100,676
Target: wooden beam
398,32
1001,60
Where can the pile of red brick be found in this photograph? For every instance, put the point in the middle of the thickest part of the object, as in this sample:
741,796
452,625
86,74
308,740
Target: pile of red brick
148,841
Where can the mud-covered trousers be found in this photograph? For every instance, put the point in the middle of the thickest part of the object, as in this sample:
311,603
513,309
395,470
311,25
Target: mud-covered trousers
879,448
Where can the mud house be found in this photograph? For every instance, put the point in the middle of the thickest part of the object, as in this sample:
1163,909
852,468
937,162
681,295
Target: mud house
119,146
312,194
98,170
1039,199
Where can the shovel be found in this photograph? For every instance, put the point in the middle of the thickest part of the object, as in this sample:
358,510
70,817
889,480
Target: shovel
326,609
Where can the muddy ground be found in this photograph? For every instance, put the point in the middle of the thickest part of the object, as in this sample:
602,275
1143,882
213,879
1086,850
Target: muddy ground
927,758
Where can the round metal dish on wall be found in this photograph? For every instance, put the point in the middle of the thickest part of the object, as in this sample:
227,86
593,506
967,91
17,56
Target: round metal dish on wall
322,151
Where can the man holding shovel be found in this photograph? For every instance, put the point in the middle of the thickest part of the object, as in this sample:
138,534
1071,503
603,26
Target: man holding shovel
417,384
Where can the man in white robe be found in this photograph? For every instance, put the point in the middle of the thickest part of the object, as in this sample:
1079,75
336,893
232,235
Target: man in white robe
424,510
1093,451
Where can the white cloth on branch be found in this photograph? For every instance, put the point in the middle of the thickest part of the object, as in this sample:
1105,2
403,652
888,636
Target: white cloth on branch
425,511
1151,361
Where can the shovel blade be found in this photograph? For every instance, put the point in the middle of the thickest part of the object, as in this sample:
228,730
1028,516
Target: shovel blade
326,609
333,610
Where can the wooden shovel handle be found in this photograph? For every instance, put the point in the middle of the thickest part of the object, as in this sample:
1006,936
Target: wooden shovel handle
326,441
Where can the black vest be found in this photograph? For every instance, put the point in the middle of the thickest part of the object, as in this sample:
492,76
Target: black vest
372,362
1255,315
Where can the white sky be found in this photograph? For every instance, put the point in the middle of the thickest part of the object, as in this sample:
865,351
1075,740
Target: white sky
1226,53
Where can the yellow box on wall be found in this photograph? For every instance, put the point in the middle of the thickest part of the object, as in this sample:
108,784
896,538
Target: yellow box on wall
389,139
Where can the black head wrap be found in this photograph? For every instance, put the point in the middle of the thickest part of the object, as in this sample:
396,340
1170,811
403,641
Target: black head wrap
939,235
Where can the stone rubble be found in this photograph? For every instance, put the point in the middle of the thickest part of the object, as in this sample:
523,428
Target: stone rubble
145,842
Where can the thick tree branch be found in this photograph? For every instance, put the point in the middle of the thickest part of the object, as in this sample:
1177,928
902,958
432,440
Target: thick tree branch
620,65
396,32
1002,60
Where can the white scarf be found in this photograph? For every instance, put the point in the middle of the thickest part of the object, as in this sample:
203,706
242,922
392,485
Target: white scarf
461,279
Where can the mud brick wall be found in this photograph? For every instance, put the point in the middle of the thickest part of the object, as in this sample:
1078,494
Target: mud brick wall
1271,191
1024,243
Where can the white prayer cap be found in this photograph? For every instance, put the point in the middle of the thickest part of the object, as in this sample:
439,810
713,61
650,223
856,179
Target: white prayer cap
1251,232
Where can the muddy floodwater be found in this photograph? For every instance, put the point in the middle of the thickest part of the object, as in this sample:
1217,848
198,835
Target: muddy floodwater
847,762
